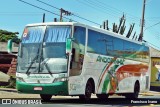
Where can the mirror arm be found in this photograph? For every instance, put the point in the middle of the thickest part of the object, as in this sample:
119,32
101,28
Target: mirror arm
9,47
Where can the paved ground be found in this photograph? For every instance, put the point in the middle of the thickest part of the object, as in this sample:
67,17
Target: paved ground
4,77
12,93
65,101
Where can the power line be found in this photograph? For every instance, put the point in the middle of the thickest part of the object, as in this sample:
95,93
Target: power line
12,13
95,7
102,8
96,4
108,6
153,18
148,2
71,12
153,31
152,44
152,26
48,4
42,9
85,4
115,9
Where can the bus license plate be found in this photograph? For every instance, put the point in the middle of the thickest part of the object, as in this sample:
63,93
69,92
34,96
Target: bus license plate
38,88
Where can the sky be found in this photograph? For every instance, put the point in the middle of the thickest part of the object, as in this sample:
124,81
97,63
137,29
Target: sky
14,14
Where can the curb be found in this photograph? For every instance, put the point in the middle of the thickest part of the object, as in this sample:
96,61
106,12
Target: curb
150,93
8,89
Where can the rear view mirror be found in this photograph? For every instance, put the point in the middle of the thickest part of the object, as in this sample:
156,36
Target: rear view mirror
9,47
68,45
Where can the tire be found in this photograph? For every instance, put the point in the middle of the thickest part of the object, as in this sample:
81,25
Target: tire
136,92
102,96
88,92
45,97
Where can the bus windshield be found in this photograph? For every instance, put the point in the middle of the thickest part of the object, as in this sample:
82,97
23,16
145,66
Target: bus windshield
43,49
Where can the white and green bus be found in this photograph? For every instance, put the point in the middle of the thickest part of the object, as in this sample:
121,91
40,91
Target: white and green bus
73,59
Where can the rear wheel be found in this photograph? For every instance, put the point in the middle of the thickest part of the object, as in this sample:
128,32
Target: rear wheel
88,92
45,97
136,91
102,96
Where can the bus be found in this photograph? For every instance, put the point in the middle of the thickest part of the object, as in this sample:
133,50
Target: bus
155,69
74,59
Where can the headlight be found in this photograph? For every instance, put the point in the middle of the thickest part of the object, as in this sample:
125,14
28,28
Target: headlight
20,79
60,79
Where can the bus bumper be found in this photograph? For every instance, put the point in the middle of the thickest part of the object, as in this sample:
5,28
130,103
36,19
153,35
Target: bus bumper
57,88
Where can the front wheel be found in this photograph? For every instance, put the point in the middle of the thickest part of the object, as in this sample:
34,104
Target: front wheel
45,97
88,92
102,96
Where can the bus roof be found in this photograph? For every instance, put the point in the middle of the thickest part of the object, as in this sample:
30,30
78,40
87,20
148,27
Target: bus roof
84,25
51,23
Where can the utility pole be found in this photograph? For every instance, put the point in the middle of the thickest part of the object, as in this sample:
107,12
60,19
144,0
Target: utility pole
43,18
61,11
65,13
142,22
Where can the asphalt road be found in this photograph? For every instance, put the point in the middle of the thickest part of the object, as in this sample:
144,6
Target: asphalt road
74,102
113,101
60,105
145,100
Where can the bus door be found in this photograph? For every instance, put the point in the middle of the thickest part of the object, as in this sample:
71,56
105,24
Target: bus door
76,84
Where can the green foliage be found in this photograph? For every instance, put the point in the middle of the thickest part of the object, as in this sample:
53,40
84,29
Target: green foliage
114,27
12,83
130,30
120,23
6,35
123,27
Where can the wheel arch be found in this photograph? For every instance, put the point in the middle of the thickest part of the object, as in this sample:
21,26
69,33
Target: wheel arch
91,80
138,83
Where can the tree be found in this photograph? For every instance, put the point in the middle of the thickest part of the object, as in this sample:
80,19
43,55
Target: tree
120,28
6,35
130,30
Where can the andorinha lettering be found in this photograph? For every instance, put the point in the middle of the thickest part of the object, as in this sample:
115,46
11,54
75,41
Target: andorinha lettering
108,60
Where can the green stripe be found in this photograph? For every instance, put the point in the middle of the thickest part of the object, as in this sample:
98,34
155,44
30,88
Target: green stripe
105,84
107,80
57,88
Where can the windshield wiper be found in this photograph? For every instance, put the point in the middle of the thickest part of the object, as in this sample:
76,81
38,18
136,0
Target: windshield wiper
35,58
45,64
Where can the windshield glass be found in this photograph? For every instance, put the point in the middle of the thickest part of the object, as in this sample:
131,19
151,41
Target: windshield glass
44,52
54,58
30,46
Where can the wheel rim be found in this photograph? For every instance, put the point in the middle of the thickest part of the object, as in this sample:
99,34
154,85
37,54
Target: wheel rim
88,91
136,90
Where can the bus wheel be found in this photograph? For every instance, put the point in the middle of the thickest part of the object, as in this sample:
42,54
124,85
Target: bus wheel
136,91
45,97
102,96
88,92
